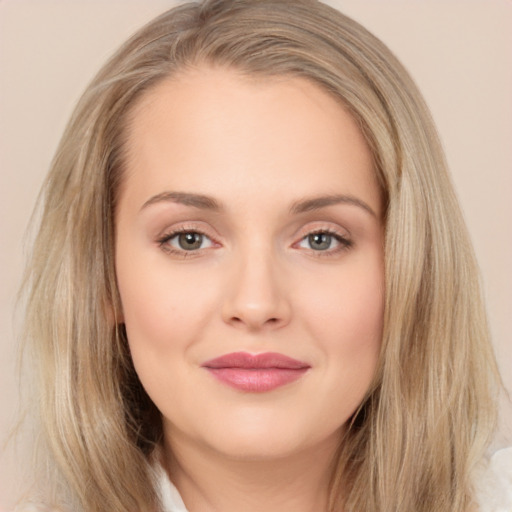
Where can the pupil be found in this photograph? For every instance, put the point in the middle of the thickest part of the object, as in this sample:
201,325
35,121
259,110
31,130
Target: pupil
190,241
320,241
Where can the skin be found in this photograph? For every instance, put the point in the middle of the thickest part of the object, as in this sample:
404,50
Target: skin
256,284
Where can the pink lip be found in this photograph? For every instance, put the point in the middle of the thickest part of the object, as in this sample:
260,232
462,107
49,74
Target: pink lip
256,373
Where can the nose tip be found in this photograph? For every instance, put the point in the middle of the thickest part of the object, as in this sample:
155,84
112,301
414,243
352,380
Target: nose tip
256,299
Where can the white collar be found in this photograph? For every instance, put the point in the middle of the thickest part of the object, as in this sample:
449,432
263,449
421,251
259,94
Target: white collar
169,495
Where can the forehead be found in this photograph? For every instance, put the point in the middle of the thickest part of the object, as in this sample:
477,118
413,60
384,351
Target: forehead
210,128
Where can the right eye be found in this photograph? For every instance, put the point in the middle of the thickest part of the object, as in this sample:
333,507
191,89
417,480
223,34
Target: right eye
185,241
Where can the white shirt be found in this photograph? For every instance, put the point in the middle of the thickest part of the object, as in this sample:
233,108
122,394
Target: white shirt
494,483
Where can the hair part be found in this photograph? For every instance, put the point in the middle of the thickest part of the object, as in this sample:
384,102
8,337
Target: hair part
431,410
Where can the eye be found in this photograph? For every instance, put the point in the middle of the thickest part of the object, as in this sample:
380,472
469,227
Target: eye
324,241
186,241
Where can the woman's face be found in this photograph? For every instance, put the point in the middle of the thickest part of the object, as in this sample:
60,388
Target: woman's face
249,224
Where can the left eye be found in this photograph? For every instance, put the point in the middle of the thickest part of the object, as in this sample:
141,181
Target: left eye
321,241
189,241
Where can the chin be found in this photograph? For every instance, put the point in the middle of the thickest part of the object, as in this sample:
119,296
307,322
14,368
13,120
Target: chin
264,438
252,448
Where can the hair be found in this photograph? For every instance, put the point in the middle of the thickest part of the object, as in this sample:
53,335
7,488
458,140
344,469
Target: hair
430,413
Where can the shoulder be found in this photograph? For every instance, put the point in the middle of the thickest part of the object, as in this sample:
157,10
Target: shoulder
493,483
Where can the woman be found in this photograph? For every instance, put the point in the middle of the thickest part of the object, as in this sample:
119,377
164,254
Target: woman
256,283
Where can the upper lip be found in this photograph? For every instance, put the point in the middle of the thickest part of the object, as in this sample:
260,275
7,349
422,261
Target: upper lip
248,361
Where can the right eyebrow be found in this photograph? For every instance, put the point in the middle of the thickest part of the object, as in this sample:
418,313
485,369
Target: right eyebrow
196,200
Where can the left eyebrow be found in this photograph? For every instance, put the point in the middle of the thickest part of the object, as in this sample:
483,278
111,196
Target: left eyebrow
315,203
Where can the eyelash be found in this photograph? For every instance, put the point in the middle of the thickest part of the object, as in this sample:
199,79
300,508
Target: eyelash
163,242
344,242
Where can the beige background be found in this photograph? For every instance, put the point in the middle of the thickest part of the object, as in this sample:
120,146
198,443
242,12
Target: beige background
457,50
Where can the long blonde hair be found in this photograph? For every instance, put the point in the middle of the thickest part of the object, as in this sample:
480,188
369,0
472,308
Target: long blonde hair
429,415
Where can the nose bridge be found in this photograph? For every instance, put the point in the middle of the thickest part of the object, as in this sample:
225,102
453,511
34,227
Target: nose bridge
256,295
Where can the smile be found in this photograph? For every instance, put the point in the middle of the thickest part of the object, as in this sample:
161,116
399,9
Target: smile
256,373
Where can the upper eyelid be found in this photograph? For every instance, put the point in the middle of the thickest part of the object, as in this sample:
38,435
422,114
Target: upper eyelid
186,227
321,227
164,239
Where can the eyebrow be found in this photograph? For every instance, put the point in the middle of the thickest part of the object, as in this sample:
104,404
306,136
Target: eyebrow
205,202
316,203
196,200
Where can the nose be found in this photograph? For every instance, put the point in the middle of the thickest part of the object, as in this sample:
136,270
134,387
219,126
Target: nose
257,296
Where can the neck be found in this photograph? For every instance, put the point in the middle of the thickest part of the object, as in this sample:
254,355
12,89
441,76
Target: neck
211,482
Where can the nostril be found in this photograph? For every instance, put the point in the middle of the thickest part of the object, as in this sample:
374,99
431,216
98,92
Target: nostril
252,323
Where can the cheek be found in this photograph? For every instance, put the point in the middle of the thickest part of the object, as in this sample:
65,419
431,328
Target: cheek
346,319
349,306
158,300
161,311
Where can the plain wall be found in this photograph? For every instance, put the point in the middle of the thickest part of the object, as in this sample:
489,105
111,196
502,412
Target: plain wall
458,51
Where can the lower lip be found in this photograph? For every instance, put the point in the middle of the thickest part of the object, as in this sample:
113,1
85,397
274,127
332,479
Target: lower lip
258,380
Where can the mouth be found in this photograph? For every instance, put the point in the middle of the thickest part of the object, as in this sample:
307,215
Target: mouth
256,373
